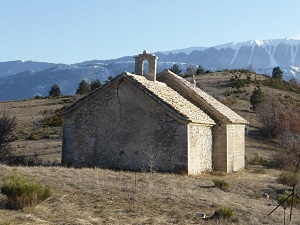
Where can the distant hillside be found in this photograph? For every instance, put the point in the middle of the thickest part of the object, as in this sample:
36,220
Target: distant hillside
13,67
30,83
26,79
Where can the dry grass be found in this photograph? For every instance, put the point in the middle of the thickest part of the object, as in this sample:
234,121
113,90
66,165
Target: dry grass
96,196
30,114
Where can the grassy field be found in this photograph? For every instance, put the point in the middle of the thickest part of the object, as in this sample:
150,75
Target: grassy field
99,196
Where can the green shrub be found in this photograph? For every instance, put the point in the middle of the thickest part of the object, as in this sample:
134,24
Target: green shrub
22,192
257,160
221,184
288,201
32,137
288,178
55,120
38,97
223,213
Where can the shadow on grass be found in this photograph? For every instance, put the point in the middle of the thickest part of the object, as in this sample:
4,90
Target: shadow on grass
207,186
3,203
23,160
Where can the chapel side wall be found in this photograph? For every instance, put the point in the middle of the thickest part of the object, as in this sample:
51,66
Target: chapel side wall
124,128
219,154
236,147
68,141
200,149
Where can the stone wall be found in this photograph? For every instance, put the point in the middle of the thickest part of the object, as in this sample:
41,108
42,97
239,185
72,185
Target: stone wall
219,155
123,128
229,147
200,149
68,141
236,147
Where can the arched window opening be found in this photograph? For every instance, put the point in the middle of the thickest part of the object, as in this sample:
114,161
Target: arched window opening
145,64
145,67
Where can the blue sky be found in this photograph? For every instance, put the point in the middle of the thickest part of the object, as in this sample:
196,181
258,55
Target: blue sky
70,31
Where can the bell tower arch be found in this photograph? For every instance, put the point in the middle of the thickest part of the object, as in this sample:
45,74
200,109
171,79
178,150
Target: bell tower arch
152,63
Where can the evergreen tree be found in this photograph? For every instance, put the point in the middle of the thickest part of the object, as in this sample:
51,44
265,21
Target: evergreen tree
55,91
95,84
175,69
200,70
83,88
277,73
256,97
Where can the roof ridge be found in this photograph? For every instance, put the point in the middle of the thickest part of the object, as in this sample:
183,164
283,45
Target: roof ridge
218,107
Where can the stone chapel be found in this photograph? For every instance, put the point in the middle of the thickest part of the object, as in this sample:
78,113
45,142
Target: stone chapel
161,120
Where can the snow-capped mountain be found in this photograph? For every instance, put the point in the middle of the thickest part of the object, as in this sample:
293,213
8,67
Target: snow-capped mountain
26,79
258,54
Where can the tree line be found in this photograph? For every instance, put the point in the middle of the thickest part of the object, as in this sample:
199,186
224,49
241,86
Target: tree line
83,88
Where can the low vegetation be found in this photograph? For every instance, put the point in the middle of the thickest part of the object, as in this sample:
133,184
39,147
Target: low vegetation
289,178
223,213
258,160
221,184
55,120
287,200
22,192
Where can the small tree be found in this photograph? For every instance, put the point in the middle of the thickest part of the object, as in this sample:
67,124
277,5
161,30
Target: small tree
200,70
277,73
55,91
175,69
256,97
293,82
7,124
95,84
288,131
190,71
268,112
290,155
83,88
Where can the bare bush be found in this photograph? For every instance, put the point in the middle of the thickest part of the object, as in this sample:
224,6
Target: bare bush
7,124
268,113
288,131
290,153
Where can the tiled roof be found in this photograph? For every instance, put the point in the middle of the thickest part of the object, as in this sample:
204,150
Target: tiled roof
205,100
170,99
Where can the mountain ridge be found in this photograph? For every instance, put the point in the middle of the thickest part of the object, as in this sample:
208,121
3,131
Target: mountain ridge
25,79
